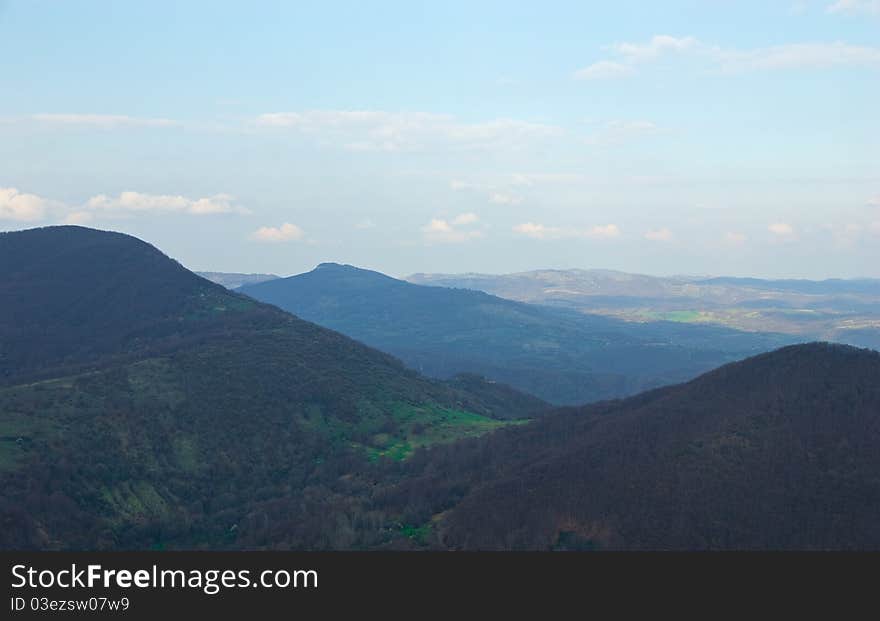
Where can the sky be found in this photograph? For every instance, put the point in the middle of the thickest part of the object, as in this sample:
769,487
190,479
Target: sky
705,137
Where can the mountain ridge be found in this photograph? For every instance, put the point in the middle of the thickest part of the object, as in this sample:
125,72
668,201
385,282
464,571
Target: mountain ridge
774,452
557,354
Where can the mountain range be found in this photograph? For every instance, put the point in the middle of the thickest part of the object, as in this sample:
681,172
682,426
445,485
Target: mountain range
142,406
846,311
557,354
232,280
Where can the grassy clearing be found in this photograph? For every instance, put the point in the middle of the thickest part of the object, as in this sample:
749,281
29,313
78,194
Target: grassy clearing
425,425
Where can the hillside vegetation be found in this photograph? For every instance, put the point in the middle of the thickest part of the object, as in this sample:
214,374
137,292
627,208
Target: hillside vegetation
145,406
776,452
559,355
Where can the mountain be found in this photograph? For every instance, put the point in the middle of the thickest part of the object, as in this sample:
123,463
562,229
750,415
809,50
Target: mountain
548,285
846,311
779,451
234,281
559,355
74,296
142,405
855,286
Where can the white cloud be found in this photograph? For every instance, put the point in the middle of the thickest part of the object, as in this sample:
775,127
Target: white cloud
15,205
465,219
140,202
437,226
458,185
871,7
21,207
799,56
278,234
79,217
778,57
103,121
365,224
503,198
655,47
603,231
782,230
874,202
540,231
603,70
661,235
444,232
376,130
632,54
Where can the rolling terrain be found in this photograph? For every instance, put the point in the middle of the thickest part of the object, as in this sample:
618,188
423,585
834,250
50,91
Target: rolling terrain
143,406
775,452
846,311
557,354
159,410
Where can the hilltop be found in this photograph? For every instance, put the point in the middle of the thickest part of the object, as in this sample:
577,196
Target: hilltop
559,355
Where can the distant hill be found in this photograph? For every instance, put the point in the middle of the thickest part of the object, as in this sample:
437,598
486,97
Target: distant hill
145,406
832,286
542,286
846,311
234,281
775,452
561,356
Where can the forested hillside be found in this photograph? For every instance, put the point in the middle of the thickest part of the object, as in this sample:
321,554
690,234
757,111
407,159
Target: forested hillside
776,452
560,355
145,406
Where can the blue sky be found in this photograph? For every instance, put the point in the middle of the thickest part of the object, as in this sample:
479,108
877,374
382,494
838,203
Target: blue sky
708,137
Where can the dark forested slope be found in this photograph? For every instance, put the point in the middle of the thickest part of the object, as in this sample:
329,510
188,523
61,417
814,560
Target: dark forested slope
780,451
74,296
144,405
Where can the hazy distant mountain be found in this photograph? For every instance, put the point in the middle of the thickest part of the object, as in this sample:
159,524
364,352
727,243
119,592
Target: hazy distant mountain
234,281
776,452
832,286
557,354
847,311
542,286
171,409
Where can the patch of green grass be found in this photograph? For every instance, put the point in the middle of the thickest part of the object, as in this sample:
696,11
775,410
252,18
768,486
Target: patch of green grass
425,425
419,534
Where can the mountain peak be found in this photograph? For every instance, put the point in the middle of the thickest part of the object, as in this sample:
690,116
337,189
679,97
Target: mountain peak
77,294
343,268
